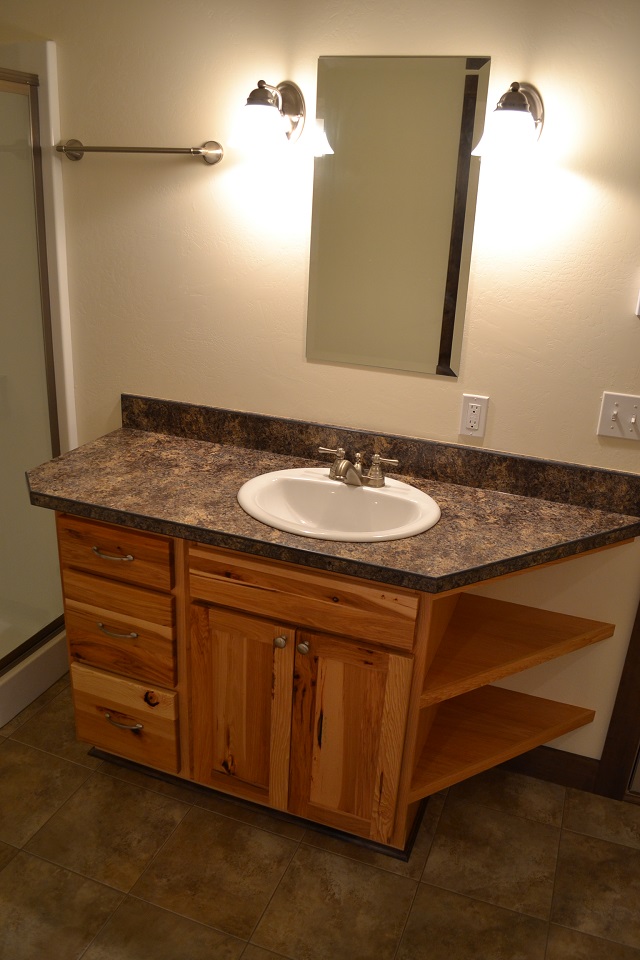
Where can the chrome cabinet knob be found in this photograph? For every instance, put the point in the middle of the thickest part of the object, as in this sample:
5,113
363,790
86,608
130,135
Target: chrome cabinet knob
303,647
280,642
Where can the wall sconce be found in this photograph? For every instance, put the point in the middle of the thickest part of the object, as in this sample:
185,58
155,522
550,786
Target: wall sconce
515,124
269,113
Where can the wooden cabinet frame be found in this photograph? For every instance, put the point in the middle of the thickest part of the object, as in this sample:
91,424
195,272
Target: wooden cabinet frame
336,699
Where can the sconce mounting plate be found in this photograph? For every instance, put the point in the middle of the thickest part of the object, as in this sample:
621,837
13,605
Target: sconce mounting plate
292,107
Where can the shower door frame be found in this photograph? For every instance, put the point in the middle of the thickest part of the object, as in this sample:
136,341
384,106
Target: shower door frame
26,84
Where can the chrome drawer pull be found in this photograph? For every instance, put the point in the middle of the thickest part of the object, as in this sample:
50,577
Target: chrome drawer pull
123,726
108,556
117,636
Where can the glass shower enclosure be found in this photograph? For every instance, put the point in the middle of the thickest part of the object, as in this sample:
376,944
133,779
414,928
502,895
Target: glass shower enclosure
30,598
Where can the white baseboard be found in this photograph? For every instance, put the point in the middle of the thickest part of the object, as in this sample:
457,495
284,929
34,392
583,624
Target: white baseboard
31,677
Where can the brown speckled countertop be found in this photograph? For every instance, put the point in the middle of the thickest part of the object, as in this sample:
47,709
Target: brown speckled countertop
186,487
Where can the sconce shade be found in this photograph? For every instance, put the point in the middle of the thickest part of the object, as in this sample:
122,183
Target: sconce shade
515,124
523,98
271,112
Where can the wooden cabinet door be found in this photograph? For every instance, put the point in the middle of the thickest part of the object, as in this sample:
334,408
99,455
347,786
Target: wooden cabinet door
241,670
349,716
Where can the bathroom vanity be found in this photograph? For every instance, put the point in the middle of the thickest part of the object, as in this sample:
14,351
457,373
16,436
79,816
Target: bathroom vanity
337,682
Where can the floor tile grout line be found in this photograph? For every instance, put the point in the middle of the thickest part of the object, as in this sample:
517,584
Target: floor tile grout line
489,903
76,873
50,753
275,890
57,811
555,872
517,816
419,881
594,836
161,846
596,936
406,920
182,916
106,921
144,786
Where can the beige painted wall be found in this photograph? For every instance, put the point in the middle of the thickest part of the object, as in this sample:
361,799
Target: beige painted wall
189,282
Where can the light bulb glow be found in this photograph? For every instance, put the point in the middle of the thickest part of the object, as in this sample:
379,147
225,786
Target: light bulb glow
260,129
508,133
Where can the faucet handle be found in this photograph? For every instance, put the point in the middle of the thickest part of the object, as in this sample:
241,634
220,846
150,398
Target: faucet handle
376,476
378,459
338,453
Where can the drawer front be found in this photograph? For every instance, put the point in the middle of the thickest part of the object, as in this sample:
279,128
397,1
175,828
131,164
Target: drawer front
309,598
129,719
116,552
119,644
121,628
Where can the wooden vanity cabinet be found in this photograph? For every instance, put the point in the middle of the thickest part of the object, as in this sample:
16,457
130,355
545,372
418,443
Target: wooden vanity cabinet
309,722
339,700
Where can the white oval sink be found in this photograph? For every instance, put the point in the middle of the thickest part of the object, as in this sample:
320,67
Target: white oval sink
308,503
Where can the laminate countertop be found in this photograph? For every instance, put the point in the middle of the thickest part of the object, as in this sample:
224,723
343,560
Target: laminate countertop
185,487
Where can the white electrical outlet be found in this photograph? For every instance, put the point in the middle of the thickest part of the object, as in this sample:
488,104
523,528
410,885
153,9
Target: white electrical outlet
474,415
619,416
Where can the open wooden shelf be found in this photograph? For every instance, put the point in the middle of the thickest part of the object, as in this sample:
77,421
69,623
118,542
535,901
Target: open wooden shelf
480,729
487,640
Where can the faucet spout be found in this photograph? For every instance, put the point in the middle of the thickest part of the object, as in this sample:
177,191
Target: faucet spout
345,472
352,473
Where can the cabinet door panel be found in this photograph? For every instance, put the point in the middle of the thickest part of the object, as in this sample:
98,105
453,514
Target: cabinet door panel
349,711
241,704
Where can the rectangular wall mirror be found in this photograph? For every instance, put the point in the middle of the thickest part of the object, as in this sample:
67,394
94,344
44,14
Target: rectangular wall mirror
393,210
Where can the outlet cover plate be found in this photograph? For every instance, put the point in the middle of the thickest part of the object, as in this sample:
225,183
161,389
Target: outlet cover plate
619,416
474,411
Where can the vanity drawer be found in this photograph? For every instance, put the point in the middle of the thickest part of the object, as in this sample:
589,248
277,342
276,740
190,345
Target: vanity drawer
117,552
120,627
304,597
126,718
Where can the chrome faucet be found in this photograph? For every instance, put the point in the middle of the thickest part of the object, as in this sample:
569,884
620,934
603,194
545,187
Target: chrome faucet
352,473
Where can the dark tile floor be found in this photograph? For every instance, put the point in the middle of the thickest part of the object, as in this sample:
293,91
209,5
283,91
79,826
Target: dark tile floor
105,863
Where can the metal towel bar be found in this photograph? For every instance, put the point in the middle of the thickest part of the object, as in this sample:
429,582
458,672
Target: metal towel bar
211,151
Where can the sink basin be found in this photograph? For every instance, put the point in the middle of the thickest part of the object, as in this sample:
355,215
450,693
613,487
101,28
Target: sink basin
308,503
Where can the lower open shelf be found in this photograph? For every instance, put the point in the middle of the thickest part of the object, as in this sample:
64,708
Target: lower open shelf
481,729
